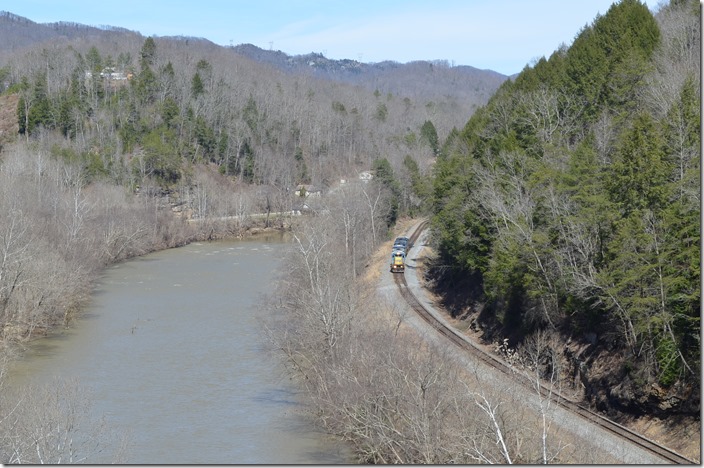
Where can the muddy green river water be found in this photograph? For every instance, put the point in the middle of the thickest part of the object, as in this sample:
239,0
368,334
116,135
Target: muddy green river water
173,352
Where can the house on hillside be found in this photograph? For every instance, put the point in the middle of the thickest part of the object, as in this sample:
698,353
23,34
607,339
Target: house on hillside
366,176
110,76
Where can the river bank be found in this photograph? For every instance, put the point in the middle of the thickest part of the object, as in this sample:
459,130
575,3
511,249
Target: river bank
173,353
172,232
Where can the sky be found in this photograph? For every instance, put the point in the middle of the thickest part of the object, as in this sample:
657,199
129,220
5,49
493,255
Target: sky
499,35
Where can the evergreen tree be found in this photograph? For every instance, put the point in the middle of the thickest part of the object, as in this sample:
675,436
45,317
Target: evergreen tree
247,167
167,80
430,135
197,87
147,56
607,62
463,236
384,175
382,112
161,157
146,86
205,137
94,62
640,172
40,112
302,176
169,111
419,184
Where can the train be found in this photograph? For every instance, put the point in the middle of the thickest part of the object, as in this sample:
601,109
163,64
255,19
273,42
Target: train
398,254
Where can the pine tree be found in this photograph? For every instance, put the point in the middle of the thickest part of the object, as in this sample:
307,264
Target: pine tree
640,171
430,135
384,175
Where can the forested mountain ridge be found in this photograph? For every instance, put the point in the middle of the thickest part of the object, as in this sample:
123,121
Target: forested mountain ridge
18,32
423,80
570,203
75,52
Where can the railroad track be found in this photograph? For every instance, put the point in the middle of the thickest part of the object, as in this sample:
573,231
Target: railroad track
571,405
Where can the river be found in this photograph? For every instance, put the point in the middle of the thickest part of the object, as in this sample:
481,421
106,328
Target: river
172,349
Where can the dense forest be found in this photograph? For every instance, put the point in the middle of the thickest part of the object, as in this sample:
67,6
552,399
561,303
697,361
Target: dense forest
564,206
573,199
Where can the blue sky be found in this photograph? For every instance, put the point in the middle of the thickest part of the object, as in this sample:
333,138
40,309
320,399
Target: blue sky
500,35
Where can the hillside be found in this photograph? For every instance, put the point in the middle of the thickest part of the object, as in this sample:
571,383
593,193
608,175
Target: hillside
149,127
8,118
420,80
17,32
570,205
351,111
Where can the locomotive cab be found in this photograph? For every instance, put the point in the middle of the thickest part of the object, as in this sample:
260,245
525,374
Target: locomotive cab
398,261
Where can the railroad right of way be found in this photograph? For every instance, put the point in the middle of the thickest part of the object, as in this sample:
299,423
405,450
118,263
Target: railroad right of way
590,425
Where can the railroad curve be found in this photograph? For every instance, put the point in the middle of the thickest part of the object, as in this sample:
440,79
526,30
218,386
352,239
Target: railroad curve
495,362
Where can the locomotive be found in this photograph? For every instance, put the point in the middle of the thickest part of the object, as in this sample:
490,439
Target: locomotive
398,255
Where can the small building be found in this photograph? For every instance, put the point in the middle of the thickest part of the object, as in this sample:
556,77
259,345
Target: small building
366,176
111,77
111,74
304,190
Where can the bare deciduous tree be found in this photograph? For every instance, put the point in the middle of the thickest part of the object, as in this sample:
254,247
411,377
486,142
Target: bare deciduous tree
53,425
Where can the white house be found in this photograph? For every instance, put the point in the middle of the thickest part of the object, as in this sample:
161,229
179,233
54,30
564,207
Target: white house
366,176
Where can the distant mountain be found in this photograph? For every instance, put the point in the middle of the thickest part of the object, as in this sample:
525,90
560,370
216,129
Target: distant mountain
17,32
414,78
419,80
344,67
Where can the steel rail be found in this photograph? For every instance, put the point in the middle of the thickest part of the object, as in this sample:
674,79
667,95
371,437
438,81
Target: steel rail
494,361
